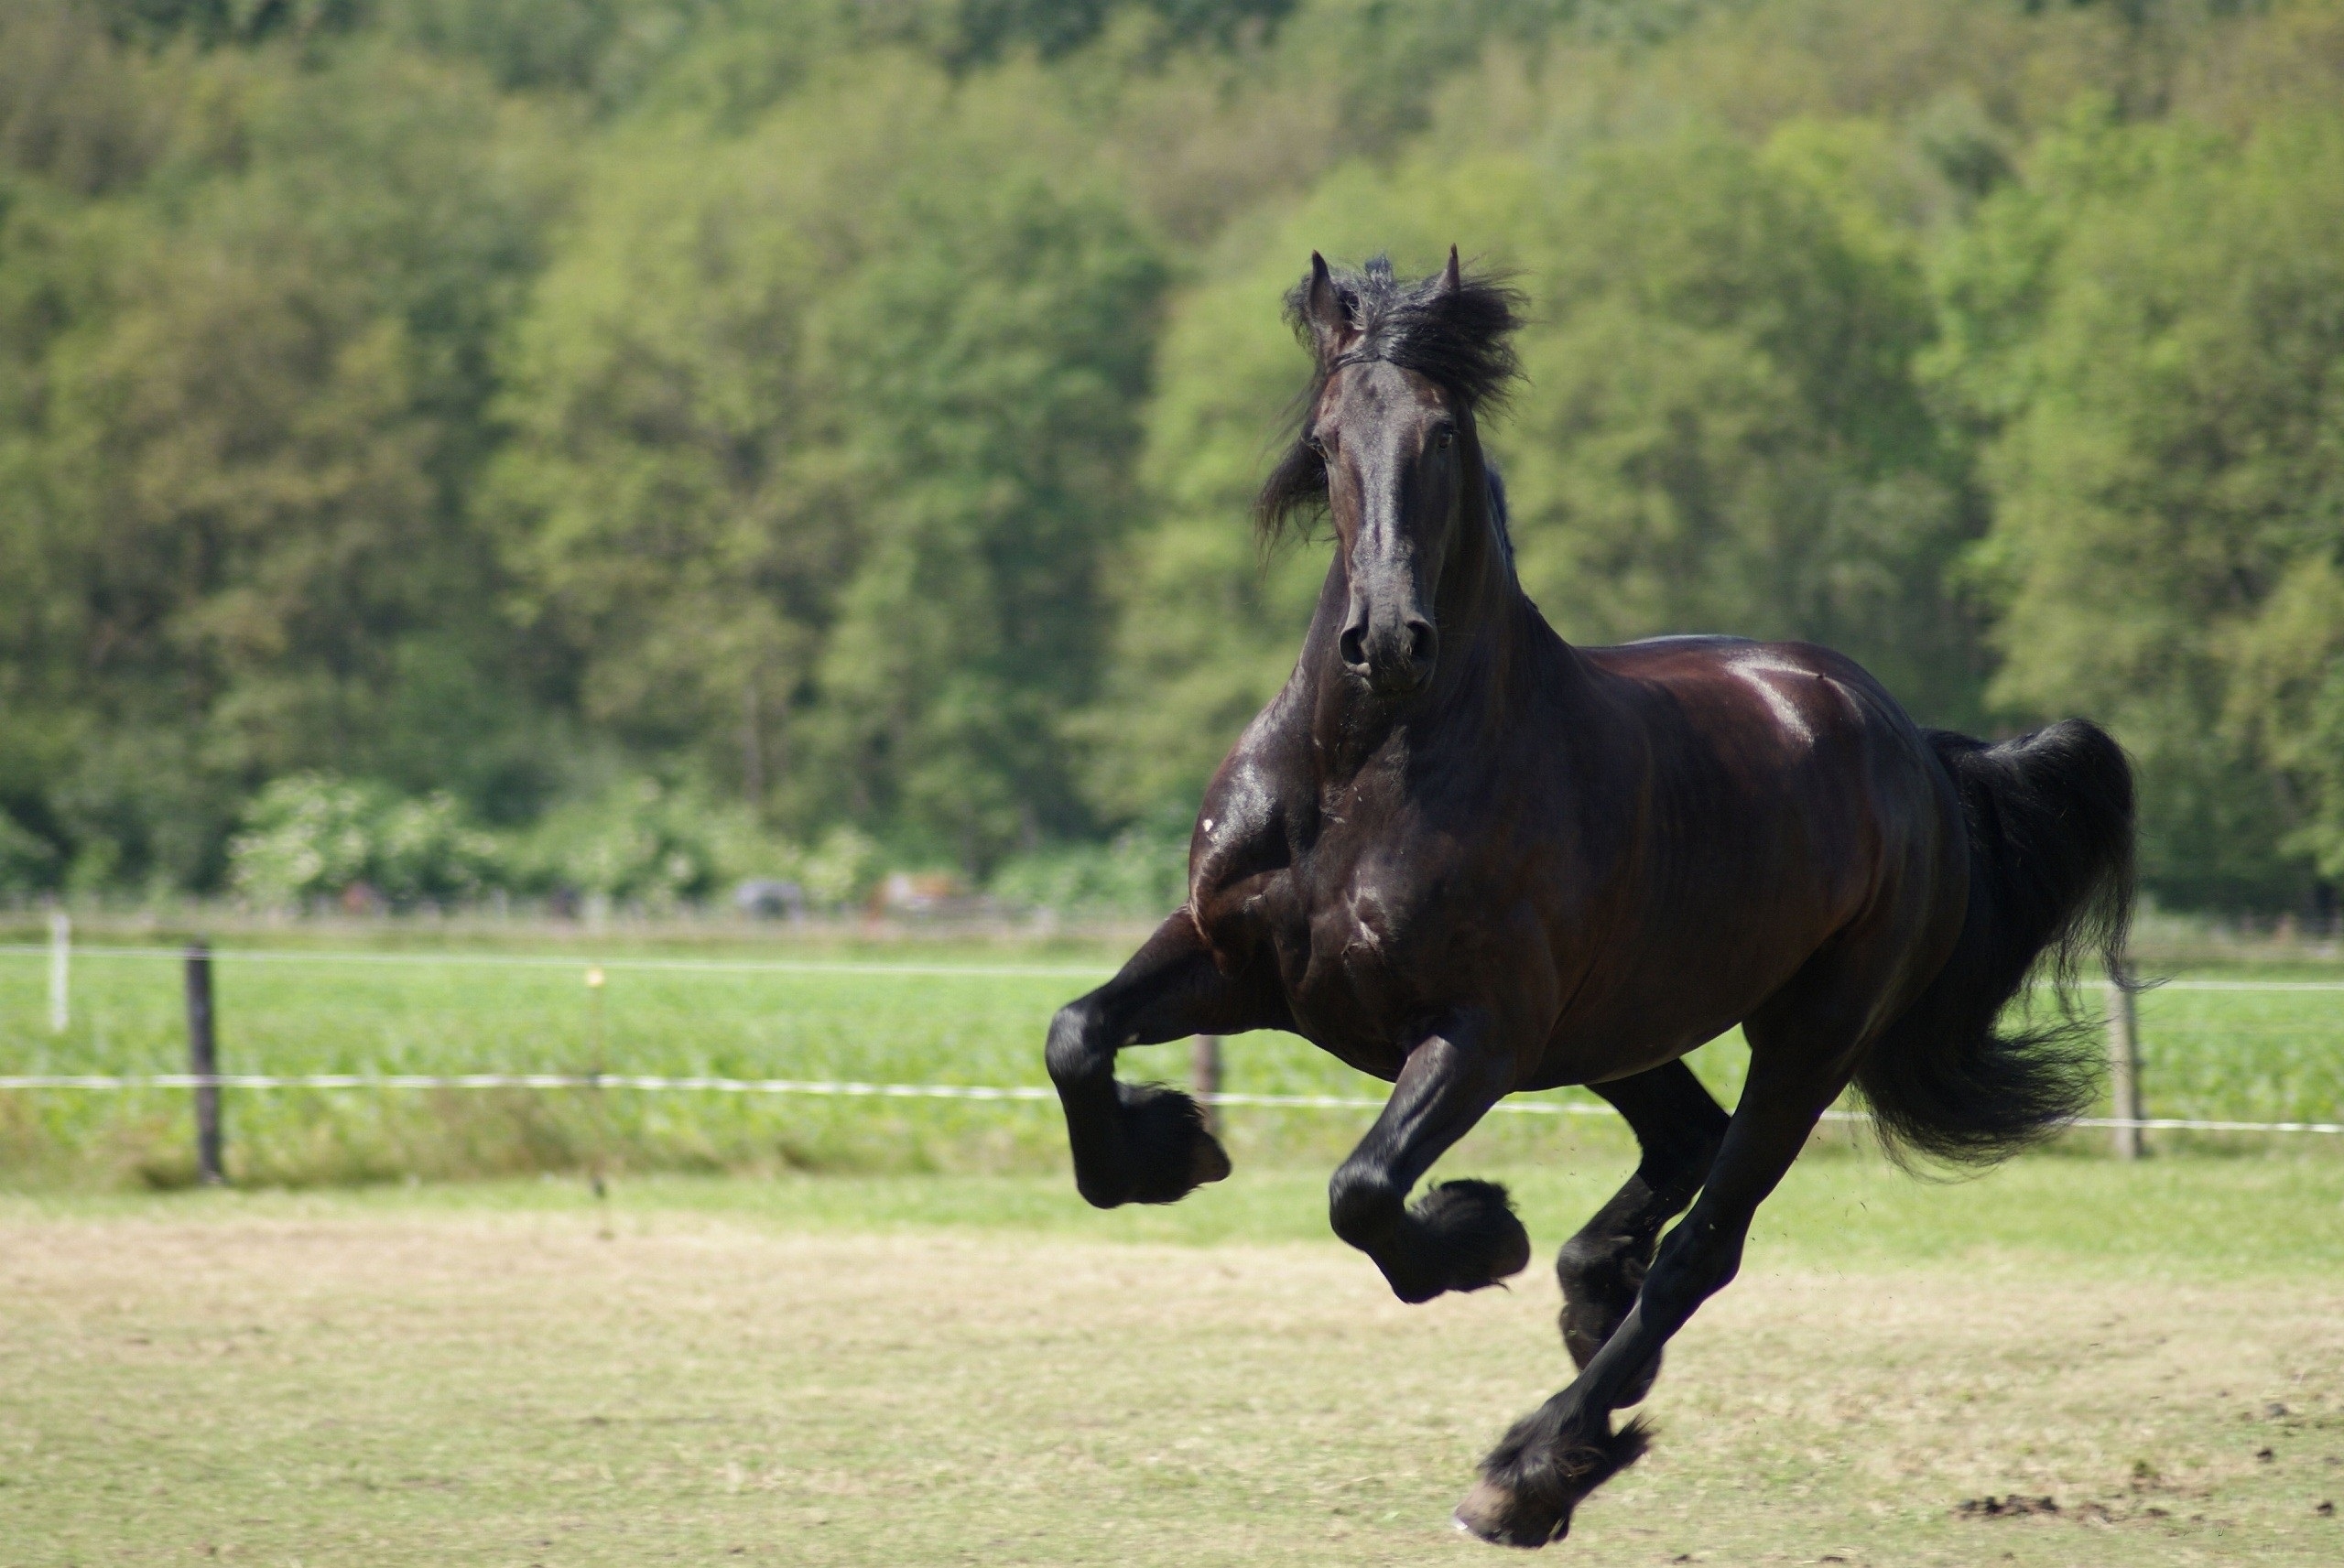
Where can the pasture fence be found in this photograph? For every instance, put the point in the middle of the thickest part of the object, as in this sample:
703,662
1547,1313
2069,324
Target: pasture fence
2124,1066
205,1080
203,1066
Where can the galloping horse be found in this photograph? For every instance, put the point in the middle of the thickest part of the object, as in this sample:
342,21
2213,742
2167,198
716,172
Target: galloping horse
1467,858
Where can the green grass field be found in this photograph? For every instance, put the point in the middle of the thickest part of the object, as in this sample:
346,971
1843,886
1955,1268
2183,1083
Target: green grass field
934,1014
893,1370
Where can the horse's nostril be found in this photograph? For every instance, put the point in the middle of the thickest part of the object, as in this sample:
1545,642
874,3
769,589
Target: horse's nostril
1423,643
1353,645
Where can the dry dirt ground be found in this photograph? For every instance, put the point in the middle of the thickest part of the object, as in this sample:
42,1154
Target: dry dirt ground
516,1389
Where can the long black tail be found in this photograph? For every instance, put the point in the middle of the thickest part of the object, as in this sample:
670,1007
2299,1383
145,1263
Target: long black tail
2050,819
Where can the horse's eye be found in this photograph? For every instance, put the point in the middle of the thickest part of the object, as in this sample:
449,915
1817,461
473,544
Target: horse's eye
1315,443
1445,440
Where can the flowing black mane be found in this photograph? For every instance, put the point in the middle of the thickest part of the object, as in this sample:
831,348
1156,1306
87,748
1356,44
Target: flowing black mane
1456,336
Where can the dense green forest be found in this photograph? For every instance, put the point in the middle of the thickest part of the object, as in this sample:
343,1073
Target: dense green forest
623,445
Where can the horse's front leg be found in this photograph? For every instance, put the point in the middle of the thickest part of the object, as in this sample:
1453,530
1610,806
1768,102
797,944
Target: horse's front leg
1462,1236
1146,1142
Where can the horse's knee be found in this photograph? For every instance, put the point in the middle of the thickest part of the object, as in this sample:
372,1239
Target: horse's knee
1073,1050
1362,1205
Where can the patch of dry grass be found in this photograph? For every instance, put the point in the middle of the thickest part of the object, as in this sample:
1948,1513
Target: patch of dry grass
350,1383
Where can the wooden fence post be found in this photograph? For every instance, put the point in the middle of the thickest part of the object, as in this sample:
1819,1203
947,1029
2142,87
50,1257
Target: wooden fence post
60,971
599,1115
2123,1063
1204,1076
203,1062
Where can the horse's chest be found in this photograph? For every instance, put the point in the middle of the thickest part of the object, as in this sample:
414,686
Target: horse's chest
1358,941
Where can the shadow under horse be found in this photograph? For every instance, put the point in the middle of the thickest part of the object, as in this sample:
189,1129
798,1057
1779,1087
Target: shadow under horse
1467,858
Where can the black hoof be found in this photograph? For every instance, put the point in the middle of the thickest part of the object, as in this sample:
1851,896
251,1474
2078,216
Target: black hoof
1492,1513
1534,1480
1168,1152
1462,1235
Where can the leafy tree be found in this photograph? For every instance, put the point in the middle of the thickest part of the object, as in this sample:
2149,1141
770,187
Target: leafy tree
819,482
849,412
992,358
75,110
977,31
2153,328
252,464
310,836
1723,431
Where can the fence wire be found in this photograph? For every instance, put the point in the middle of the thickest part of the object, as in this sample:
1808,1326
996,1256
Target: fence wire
850,1089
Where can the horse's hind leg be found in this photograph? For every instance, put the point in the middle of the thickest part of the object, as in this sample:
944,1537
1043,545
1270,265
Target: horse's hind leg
1678,1128
1146,1142
1559,1453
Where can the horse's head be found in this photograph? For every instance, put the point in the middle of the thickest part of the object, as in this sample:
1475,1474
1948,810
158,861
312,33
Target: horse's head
1388,445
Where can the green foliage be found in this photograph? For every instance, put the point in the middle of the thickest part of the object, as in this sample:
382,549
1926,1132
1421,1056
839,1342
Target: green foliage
650,844
2158,345
310,836
638,840
821,482
847,413
1142,871
27,861
975,31
989,362
1726,435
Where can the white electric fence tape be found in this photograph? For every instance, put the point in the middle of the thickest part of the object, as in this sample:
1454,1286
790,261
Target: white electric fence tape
905,1091
886,1091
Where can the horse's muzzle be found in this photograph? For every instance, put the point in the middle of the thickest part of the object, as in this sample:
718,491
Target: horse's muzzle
1395,658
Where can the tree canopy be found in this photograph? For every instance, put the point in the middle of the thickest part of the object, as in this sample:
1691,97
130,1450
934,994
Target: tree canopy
617,445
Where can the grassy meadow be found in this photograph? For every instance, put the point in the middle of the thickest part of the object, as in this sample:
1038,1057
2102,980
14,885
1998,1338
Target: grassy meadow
937,1011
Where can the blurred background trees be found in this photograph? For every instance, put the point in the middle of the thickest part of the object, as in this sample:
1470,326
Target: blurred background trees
618,446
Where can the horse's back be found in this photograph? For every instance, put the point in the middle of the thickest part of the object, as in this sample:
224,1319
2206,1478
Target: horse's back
1819,684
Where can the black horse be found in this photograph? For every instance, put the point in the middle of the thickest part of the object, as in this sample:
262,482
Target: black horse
1463,855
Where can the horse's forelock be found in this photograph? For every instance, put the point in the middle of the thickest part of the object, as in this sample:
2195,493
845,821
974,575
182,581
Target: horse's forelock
1458,338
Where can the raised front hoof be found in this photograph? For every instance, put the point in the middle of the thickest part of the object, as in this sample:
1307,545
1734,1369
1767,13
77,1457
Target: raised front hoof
1528,1490
1165,1149
1462,1236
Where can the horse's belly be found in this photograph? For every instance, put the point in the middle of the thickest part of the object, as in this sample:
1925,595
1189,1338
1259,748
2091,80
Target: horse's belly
1578,1055
1646,1004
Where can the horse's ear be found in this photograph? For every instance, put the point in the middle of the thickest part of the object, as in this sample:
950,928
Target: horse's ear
1324,312
1451,279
